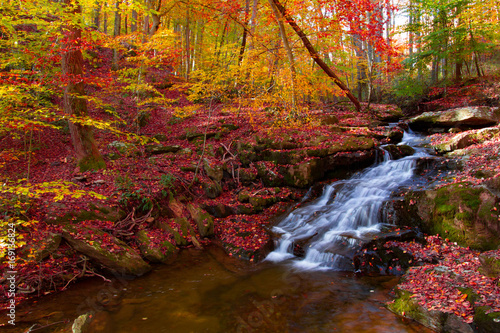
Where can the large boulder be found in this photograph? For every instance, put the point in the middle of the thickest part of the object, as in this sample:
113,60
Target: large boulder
466,139
463,213
105,250
466,117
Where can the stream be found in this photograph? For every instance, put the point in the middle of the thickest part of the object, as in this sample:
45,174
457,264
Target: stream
207,291
329,228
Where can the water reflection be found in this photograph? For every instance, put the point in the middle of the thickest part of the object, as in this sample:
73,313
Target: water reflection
206,291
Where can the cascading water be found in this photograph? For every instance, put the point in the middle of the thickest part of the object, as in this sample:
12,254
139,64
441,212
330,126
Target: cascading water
348,211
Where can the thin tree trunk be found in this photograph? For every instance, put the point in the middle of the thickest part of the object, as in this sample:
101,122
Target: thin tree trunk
118,19
187,38
289,53
105,20
314,54
116,32
97,13
75,104
133,22
244,37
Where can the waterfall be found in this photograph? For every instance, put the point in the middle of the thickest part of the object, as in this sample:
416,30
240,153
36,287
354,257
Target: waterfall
328,229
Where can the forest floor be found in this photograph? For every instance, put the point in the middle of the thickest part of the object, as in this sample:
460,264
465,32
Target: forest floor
128,181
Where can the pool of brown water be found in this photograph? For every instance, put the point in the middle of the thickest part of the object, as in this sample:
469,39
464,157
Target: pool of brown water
207,291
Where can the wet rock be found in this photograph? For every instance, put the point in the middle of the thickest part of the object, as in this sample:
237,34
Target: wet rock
406,306
466,117
202,219
105,250
155,246
395,135
349,161
82,323
101,323
399,151
374,257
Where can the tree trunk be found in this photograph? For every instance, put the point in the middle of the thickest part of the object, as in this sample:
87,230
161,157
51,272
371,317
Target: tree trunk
244,37
75,104
116,32
187,44
118,19
105,20
314,54
289,53
97,13
133,22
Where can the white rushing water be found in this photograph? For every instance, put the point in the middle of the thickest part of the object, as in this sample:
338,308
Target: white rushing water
348,211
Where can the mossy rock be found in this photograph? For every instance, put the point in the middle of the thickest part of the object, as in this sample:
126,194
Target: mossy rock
329,120
105,250
269,177
124,148
406,306
389,113
490,265
158,149
212,189
41,249
202,219
95,211
466,139
154,249
282,157
349,144
261,202
214,171
463,213
486,322
244,196
304,174
247,175
185,230
399,151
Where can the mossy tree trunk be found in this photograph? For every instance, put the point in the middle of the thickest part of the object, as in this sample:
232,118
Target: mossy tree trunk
75,104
